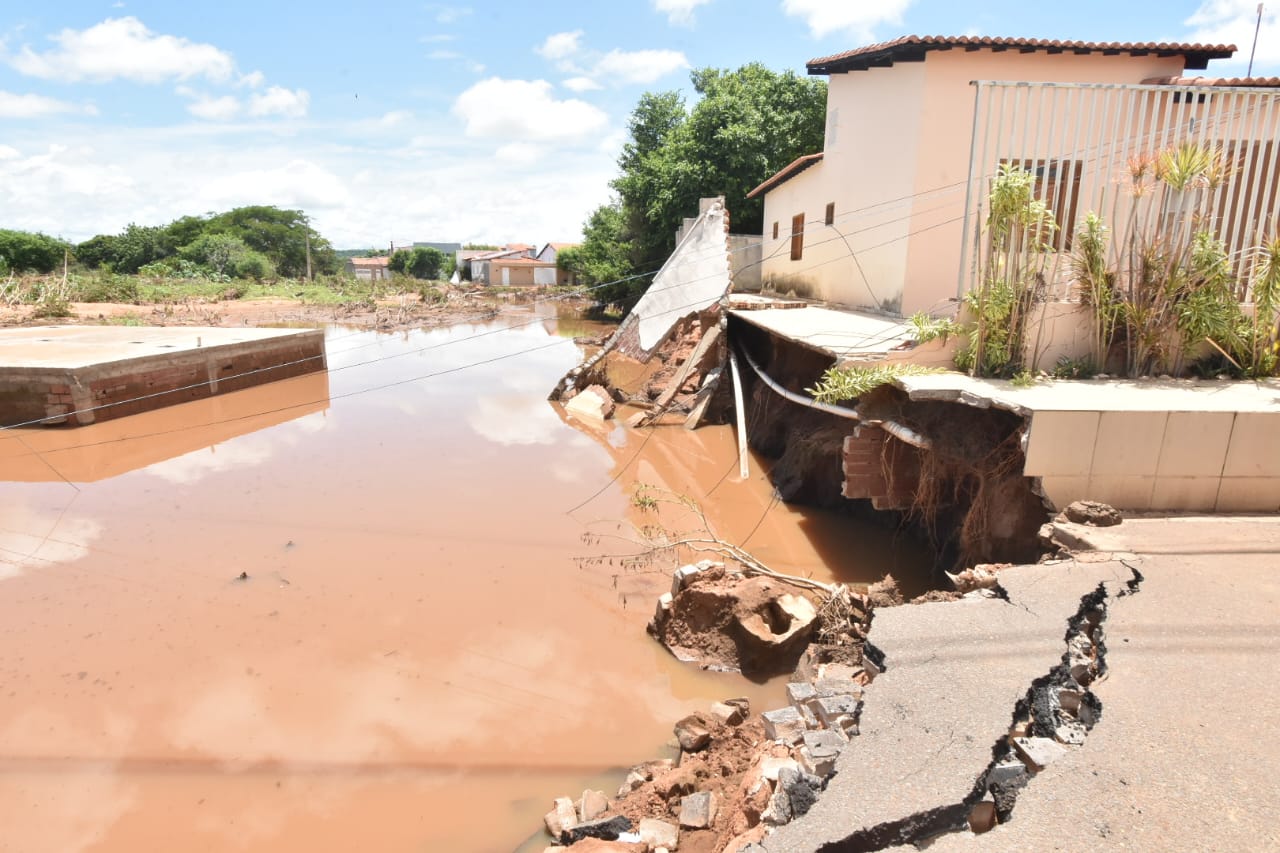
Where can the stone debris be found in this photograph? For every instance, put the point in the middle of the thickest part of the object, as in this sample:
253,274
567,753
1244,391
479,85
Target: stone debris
563,816
730,715
592,402
692,733
659,833
592,805
1092,513
1039,751
784,724
979,577
698,811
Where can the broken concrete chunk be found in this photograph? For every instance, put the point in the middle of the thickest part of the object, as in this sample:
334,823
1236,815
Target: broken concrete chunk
681,577
1040,752
830,709
698,811
692,734
730,715
771,765
634,780
802,790
663,610
785,724
592,805
779,810
742,704
1093,513
563,816
799,692
607,829
825,687
824,744
1070,732
1006,773
659,833
817,766
592,402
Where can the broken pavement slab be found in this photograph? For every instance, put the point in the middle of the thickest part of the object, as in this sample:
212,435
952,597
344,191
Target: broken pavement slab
954,673
1170,767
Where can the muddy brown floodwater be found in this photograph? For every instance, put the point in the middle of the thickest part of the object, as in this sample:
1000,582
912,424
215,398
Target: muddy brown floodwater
417,660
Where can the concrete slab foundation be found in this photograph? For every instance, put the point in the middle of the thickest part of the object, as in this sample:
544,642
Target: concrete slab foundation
77,375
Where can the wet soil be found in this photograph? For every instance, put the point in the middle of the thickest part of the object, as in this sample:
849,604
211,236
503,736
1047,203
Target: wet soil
420,653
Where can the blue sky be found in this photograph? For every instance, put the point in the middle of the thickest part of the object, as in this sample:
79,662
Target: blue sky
407,120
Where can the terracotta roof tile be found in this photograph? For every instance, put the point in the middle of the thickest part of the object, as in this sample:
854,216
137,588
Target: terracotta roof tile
913,48
786,173
1232,82
369,262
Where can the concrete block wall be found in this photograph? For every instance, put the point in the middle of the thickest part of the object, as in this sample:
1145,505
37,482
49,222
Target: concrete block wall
1207,461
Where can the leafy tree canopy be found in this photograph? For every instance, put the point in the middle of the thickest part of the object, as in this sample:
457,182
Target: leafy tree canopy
745,126
22,251
256,241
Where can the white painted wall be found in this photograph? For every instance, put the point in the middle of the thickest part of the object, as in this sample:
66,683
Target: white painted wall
694,278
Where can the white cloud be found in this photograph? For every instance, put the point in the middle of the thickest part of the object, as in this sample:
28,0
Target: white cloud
35,106
1233,22
640,66
560,45
215,108
123,48
394,117
581,84
520,153
8,152
679,12
297,183
525,110
443,54
252,80
277,100
855,18
449,14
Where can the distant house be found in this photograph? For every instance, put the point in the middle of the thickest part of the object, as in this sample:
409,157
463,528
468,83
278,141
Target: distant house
888,216
520,271
481,263
369,269
551,251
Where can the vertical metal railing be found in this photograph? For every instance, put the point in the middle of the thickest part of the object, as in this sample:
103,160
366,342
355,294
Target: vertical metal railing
1084,140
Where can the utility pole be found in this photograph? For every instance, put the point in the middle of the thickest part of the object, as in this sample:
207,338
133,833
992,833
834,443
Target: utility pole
1256,28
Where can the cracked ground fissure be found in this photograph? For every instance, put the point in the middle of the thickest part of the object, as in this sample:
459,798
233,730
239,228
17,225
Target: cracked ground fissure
1040,714
951,667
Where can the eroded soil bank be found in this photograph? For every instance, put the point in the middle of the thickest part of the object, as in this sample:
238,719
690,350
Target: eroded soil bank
422,653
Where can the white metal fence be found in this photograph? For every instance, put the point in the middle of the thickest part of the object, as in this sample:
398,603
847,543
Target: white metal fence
1087,143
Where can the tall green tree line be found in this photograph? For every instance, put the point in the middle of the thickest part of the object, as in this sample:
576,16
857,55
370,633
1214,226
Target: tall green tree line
744,126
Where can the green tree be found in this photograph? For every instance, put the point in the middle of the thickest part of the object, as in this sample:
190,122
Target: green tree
426,262
139,245
604,258
746,125
400,261
23,251
99,251
281,235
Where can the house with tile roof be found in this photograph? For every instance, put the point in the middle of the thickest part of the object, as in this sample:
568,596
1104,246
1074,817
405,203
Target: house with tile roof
889,215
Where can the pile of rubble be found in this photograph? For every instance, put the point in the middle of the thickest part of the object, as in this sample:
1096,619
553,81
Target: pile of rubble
737,775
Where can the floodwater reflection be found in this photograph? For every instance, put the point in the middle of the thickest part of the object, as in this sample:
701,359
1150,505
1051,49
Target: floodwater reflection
416,656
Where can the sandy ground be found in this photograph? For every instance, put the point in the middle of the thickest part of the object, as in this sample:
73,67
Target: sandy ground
404,312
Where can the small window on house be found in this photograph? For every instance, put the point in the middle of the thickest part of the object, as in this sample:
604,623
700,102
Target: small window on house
775,231
797,237
831,213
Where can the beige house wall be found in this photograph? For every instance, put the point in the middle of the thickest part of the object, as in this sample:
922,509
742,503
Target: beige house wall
896,166
869,173
1134,460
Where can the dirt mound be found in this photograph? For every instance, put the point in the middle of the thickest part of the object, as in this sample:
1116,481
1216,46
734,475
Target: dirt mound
728,622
